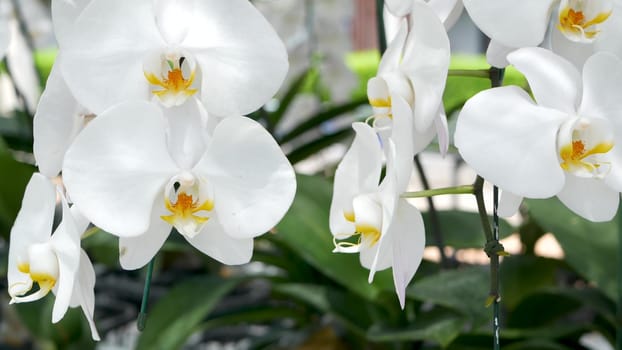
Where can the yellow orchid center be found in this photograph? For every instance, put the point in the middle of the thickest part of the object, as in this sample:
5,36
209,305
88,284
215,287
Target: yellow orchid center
576,24
368,233
367,219
171,85
584,145
40,263
185,212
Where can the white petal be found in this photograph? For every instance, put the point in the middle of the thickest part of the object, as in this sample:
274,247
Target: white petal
511,142
118,166
66,244
555,82
173,17
602,90
19,62
449,11
399,8
358,172
216,243
187,137
402,136
573,51
242,59
103,56
32,225
442,131
84,293
408,235
497,54
425,63
392,57
509,203
254,183
609,37
590,198
5,37
136,252
57,120
514,24
64,14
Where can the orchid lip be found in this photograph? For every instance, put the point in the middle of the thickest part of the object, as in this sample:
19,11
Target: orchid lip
584,145
189,200
577,24
172,77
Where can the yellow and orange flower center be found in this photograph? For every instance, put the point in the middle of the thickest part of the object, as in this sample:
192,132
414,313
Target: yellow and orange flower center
368,234
170,85
186,207
574,24
575,155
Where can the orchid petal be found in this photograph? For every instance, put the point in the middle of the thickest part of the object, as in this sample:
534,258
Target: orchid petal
19,60
57,120
408,235
5,37
66,244
216,243
590,198
187,138
448,11
514,24
497,54
358,172
511,142
392,57
172,18
554,81
103,56
575,52
64,14
242,59
425,63
402,136
609,37
442,131
509,203
601,88
32,225
136,252
84,293
399,8
254,183
118,166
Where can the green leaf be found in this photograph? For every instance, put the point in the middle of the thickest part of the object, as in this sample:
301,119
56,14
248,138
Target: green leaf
312,147
541,310
590,248
178,314
305,231
462,229
464,290
518,279
15,177
347,307
441,327
284,103
321,117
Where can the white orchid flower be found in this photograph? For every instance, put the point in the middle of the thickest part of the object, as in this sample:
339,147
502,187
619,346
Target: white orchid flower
389,231
448,11
580,27
134,176
224,52
55,263
415,67
567,143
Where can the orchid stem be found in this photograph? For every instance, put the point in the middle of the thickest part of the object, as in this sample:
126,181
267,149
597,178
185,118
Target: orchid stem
619,309
435,222
382,38
469,73
142,316
464,189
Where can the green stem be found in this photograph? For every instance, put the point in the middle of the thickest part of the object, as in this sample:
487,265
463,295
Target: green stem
619,308
464,189
382,38
142,316
470,73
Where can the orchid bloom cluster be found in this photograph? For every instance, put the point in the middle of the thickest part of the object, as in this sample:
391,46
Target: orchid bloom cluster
367,214
143,116
564,141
